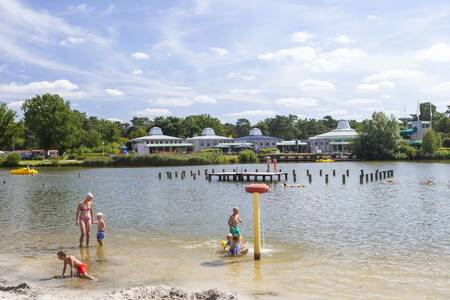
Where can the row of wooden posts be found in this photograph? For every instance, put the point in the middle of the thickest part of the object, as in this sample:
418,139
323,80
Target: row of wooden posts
240,175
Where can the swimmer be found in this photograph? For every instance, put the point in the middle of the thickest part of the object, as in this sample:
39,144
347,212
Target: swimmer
101,228
293,185
233,222
73,263
389,181
428,182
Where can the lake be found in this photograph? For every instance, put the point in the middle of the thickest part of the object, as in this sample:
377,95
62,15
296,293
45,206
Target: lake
378,240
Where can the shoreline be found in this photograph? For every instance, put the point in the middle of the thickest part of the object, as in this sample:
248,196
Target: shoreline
23,290
79,164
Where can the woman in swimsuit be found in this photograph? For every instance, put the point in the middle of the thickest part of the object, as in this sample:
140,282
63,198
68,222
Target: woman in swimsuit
84,217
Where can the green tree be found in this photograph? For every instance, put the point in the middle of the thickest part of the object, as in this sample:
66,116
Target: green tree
378,137
430,142
248,156
243,127
52,122
13,159
9,130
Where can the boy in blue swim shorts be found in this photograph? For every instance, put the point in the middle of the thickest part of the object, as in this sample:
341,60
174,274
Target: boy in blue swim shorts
101,228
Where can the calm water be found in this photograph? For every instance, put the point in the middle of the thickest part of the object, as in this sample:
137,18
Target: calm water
377,240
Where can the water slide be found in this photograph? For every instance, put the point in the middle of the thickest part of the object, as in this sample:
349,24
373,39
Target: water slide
408,132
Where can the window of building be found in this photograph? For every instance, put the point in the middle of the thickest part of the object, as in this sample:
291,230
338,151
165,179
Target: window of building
261,144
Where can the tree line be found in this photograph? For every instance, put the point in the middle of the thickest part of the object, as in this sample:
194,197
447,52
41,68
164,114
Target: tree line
49,122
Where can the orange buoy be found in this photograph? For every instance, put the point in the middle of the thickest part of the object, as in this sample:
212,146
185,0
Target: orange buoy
260,188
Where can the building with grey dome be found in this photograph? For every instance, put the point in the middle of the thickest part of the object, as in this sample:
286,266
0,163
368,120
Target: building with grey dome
208,139
258,140
335,141
156,142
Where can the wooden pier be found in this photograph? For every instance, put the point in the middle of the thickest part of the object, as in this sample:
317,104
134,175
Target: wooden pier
249,176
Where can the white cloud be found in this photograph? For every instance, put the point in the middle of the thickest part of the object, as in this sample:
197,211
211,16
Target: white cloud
81,8
184,101
361,101
373,87
246,91
114,92
315,59
297,102
152,112
219,51
253,113
240,76
298,53
301,36
372,17
115,120
441,89
72,41
391,75
39,87
140,55
137,72
16,105
343,39
439,52
312,85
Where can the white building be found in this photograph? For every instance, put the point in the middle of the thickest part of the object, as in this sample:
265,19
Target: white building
258,140
208,139
156,142
335,141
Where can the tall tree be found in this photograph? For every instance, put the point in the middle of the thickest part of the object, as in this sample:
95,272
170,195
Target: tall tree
430,142
9,129
378,137
243,127
51,121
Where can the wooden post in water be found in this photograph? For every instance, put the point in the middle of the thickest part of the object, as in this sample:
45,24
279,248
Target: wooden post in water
309,178
159,175
371,177
198,172
320,172
343,178
361,179
367,178
326,178
348,173
334,172
307,172
362,172
294,175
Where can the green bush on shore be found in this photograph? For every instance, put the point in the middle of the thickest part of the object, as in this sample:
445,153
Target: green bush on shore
248,156
12,160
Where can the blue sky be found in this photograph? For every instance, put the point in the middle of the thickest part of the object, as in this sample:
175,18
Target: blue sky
231,59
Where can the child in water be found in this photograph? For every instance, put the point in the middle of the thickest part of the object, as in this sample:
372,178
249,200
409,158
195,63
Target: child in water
235,247
73,263
229,241
101,228
233,222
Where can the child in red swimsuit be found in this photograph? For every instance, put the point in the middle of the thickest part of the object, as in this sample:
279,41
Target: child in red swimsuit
73,263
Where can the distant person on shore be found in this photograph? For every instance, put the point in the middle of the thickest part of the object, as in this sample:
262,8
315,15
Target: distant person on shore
101,228
70,260
234,221
84,218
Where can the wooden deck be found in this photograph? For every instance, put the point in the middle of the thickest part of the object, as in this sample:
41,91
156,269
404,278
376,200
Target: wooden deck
249,176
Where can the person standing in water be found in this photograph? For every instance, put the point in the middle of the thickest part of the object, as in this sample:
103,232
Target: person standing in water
233,222
84,218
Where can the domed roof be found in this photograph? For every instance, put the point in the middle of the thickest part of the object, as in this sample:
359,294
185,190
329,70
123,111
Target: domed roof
343,125
255,131
208,131
155,131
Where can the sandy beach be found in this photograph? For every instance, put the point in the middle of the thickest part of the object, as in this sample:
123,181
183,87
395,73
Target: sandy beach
24,291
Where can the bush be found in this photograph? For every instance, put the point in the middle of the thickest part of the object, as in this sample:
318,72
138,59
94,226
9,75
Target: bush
441,154
446,142
248,156
98,162
13,159
430,142
266,151
408,151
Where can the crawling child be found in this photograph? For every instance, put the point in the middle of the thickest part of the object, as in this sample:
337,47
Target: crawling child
73,263
101,228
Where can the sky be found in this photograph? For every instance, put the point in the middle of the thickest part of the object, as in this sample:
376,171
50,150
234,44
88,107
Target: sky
231,59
